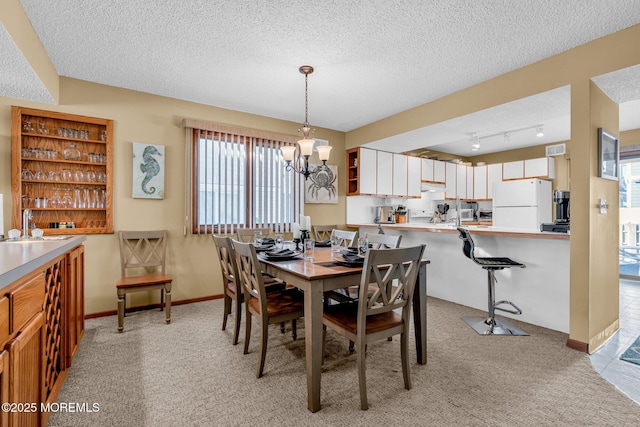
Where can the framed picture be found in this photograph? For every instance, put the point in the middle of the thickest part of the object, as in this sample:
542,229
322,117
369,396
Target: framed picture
608,155
148,171
322,185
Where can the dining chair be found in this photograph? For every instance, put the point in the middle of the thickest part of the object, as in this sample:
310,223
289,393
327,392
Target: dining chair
267,307
247,235
142,268
232,290
375,316
323,232
383,241
347,236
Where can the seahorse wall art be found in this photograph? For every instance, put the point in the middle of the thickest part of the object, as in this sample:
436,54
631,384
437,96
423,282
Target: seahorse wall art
148,171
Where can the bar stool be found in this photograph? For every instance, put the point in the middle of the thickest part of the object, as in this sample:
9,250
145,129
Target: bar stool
490,325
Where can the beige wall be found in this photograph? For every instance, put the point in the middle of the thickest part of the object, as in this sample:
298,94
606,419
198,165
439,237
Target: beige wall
153,119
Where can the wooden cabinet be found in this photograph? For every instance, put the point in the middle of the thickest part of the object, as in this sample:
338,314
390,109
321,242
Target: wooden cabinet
384,173
62,169
540,168
41,324
414,171
361,167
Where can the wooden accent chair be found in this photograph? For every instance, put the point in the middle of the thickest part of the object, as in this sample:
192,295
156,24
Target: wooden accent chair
246,235
267,307
142,268
323,232
374,317
233,294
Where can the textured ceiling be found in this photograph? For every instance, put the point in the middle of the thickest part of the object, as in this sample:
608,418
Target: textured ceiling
372,58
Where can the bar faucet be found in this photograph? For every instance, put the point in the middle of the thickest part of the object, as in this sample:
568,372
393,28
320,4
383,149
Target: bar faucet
26,216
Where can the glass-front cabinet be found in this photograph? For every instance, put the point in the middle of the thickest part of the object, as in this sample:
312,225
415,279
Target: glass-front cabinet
62,169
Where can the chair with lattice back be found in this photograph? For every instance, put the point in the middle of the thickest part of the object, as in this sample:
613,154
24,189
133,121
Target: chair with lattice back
382,313
142,267
323,232
247,235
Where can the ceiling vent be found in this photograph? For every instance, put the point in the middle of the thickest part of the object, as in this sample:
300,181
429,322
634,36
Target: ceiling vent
555,150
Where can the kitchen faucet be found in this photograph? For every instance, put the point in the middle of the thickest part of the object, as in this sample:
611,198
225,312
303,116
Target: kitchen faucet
26,216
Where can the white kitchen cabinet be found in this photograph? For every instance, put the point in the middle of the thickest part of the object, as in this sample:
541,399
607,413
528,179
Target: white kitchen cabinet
399,175
439,174
450,181
367,166
384,173
494,175
470,181
427,170
480,182
513,170
414,172
461,181
540,168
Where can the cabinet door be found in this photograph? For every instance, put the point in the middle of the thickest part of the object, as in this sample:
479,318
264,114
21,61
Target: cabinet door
4,386
540,168
367,167
385,174
494,175
75,301
26,371
427,170
461,181
400,175
480,182
513,170
439,173
414,171
450,181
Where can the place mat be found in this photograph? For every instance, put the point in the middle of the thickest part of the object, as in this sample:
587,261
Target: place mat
323,244
281,255
264,247
632,354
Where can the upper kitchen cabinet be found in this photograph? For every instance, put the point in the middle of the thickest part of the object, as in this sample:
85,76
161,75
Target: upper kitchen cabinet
540,168
433,171
414,172
480,182
385,174
494,175
361,171
400,175
543,168
62,169
450,184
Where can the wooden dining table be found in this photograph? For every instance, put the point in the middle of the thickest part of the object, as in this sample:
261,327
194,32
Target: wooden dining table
322,274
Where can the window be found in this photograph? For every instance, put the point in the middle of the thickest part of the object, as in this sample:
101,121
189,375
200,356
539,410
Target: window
240,180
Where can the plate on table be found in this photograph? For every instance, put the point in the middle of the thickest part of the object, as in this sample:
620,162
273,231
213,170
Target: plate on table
282,255
323,244
351,260
265,247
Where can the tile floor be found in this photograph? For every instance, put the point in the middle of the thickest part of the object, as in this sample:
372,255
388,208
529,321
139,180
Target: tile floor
606,361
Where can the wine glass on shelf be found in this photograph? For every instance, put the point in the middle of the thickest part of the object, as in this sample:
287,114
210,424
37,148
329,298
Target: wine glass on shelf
56,200
67,200
66,175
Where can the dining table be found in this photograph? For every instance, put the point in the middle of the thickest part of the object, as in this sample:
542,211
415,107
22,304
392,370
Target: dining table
325,273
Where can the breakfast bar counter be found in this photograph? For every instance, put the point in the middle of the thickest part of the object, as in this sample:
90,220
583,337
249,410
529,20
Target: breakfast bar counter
541,289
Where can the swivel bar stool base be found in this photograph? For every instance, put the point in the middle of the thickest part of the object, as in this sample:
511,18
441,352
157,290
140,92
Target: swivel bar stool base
490,325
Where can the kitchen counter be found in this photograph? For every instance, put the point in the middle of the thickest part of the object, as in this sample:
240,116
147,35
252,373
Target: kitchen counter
19,258
541,289
474,228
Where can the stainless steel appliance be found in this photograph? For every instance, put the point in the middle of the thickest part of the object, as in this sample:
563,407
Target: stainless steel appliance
385,215
561,224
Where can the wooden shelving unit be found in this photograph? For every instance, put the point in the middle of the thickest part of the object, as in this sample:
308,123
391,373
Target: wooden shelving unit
353,172
76,188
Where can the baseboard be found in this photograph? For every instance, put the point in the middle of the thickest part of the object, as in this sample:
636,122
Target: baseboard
150,306
578,345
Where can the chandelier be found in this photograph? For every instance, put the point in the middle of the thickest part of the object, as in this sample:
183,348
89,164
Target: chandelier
298,163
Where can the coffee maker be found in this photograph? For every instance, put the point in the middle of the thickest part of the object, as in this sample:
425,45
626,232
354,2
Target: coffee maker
561,224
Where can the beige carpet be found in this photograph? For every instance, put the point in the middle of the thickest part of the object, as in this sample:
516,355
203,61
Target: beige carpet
188,373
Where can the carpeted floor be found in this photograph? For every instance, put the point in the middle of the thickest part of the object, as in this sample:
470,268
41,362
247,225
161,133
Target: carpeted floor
188,373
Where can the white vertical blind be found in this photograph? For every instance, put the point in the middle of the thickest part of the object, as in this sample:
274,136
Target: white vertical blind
240,181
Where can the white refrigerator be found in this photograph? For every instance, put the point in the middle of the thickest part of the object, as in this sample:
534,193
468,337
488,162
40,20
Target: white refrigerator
522,204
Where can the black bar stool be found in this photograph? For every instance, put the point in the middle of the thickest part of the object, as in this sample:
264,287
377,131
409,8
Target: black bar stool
490,325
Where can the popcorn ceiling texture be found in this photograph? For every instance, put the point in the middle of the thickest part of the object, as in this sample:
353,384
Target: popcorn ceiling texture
372,58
